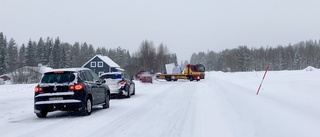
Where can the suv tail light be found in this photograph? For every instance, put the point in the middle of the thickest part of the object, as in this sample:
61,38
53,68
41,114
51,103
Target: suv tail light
76,87
122,83
38,89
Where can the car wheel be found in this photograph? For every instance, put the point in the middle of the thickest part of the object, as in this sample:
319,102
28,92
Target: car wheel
106,102
88,107
134,90
42,114
128,92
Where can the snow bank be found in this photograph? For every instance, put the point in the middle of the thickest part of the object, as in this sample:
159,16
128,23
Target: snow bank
310,68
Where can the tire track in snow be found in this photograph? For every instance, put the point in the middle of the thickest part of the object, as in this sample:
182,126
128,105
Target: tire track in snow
223,92
161,115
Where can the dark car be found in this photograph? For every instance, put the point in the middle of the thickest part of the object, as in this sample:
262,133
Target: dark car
76,89
119,83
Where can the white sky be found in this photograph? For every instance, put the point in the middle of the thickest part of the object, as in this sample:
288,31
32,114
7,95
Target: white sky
185,26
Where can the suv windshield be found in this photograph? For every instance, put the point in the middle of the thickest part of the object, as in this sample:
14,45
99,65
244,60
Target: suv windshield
111,76
52,77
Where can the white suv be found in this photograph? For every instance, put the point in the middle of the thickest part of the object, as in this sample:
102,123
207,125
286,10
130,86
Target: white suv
120,84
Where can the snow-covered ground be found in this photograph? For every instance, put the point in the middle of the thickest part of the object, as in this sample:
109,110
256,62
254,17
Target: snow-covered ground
222,105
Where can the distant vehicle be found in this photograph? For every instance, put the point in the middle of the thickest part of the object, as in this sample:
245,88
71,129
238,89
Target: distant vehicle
120,84
145,77
137,75
76,89
192,72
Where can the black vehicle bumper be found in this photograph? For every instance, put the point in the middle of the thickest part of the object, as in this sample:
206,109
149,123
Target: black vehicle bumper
59,101
74,105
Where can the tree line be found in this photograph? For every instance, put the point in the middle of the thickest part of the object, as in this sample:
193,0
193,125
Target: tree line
290,57
57,54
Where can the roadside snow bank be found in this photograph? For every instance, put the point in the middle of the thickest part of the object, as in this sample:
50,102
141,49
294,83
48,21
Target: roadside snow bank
310,68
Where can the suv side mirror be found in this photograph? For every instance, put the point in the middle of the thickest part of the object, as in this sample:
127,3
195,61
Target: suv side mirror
98,82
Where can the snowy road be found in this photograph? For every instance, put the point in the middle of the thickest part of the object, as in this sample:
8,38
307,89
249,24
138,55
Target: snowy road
224,105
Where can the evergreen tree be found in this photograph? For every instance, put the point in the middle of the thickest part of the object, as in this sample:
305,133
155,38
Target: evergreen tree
31,54
75,55
99,51
13,55
244,58
63,63
161,58
91,52
120,56
104,51
49,47
41,52
3,55
56,53
211,61
84,54
173,58
22,56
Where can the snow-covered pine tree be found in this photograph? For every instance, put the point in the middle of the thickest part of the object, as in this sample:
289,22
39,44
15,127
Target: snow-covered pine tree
41,52
84,54
3,55
31,54
55,54
22,56
63,63
75,55
48,56
13,55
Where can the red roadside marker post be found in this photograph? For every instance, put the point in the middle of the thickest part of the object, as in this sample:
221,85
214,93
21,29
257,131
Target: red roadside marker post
262,79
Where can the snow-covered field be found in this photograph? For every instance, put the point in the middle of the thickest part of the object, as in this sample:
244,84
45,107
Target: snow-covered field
222,105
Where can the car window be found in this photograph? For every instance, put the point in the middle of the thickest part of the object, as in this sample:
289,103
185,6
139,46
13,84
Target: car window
83,76
94,76
88,75
52,77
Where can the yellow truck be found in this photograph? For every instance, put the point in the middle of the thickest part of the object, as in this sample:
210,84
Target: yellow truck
191,72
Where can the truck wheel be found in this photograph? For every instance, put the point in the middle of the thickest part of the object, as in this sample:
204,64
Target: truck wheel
168,78
191,78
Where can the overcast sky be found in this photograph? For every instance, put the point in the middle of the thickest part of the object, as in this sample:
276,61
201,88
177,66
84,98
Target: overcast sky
185,26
